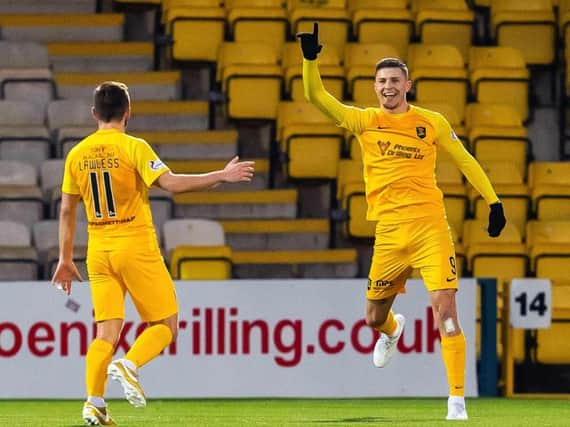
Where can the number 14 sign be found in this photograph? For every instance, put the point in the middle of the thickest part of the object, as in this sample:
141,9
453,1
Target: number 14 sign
530,303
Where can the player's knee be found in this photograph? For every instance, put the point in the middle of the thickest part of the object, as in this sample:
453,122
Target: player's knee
376,319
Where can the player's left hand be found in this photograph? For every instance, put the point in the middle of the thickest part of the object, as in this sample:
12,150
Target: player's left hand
236,171
65,272
497,219
310,43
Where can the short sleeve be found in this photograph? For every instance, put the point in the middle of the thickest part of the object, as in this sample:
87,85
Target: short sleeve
147,162
69,184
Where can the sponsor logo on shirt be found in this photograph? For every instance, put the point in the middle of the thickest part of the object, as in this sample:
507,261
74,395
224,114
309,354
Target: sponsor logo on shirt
156,165
383,146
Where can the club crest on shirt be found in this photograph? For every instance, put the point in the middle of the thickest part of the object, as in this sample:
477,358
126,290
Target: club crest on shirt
156,165
421,132
383,146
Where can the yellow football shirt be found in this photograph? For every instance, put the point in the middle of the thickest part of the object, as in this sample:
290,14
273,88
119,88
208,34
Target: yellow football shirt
398,153
112,172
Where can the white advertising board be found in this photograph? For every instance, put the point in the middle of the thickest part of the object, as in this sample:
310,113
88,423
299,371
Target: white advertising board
241,338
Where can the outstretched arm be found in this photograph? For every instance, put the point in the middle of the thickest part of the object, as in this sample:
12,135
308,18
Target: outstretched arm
235,171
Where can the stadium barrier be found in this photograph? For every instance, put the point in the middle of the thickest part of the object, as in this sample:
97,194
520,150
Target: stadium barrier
243,338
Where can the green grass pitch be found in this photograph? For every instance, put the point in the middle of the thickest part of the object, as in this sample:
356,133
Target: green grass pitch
294,412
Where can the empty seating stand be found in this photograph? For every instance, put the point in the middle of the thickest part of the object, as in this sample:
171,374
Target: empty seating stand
295,264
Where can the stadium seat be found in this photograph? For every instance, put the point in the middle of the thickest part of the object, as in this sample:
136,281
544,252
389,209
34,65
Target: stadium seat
550,188
352,199
192,232
162,116
330,69
201,263
527,25
143,86
334,22
20,196
161,206
549,248
445,21
329,263
23,136
251,80
500,73
504,257
25,73
52,7
258,20
187,25
197,249
439,75
186,145
259,181
62,27
496,133
271,234
46,242
97,57
359,61
310,142
18,259
383,21
237,204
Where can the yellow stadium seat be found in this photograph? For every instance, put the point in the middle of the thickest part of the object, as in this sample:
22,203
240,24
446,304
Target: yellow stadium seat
359,61
503,257
439,75
201,263
310,142
549,246
550,186
500,73
187,27
445,21
550,348
382,21
251,78
332,73
258,20
450,180
351,196
334,22
496,133
528,25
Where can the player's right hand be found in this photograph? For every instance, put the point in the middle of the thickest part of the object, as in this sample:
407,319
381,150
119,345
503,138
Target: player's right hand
236,171
65,272
310,43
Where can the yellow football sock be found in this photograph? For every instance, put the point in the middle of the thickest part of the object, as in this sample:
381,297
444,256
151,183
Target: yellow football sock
453,353
98,358
389,326
149,344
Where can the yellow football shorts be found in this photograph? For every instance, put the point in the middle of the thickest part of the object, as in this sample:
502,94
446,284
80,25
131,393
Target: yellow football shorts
142,274
425,244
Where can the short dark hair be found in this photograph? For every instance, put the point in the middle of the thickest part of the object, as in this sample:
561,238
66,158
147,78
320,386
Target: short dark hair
392,63
111,101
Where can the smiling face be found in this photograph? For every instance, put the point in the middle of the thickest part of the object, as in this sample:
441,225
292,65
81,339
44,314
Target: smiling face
391,86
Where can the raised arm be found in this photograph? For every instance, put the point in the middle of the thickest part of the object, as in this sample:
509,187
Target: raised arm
476,176
313,87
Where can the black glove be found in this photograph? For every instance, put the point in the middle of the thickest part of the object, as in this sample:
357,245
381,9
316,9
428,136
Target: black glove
497,219
310,43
